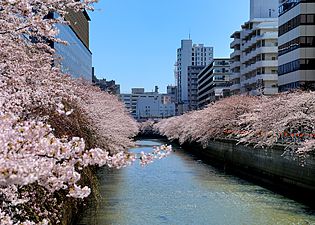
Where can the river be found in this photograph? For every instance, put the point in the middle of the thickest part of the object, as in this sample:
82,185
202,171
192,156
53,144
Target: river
181,189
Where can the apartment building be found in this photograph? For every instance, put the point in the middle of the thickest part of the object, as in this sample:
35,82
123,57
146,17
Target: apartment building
189,54
214,82
296,44
254,60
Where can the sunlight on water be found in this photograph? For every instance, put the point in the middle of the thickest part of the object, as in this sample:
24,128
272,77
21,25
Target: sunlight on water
183,190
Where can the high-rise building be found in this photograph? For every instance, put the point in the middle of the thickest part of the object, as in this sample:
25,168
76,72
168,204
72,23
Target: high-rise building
296,44
254,60
213,82
75,58
189,54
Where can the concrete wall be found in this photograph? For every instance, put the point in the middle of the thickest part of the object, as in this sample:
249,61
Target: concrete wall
263,8
269,165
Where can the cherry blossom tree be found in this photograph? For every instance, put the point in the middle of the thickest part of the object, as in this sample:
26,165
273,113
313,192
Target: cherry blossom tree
51,126
215,121
286,119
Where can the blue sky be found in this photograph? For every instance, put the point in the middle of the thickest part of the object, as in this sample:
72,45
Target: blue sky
134,41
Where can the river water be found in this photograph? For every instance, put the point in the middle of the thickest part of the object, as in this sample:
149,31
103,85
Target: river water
183,190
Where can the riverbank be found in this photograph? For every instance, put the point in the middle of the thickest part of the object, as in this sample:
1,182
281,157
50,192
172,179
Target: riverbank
284,174
269,167
73,208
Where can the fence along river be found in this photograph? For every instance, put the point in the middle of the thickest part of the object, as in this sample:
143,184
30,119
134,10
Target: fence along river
181,189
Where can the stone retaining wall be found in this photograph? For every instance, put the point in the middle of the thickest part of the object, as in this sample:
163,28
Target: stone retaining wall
268,166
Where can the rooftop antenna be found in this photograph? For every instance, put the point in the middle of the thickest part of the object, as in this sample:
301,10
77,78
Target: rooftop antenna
189,34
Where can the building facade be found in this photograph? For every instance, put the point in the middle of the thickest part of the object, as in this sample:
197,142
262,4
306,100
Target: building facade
254,60
189,54
193,72
172,92
214,82
108,86
296,44
148,105
75,58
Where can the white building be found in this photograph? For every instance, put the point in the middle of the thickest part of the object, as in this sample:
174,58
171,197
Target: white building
255,57
189,54
213,82
296,44
148,105
153,108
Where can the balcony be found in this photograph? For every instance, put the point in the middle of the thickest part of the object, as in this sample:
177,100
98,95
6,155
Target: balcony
235,76
249,55
261,50
270,91
235,42
266,77
269,35
249,68
235,64
266,63
267,49
235,87
269,77
265,91
251,42
235,53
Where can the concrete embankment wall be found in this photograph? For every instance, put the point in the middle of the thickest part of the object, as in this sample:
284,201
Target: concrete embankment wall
268,166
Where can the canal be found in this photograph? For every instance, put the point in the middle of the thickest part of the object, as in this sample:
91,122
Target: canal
181,189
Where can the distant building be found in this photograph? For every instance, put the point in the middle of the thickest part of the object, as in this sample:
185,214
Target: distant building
148,105
108,86
214,82
189,54
172,92
193,72
255,53
296,45
76,57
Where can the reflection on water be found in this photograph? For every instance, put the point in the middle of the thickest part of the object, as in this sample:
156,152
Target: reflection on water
183,190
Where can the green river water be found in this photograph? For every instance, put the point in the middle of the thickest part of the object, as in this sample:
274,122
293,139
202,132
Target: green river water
183,190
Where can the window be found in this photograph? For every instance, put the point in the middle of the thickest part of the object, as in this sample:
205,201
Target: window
303,19
310,19
303,42
300,64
